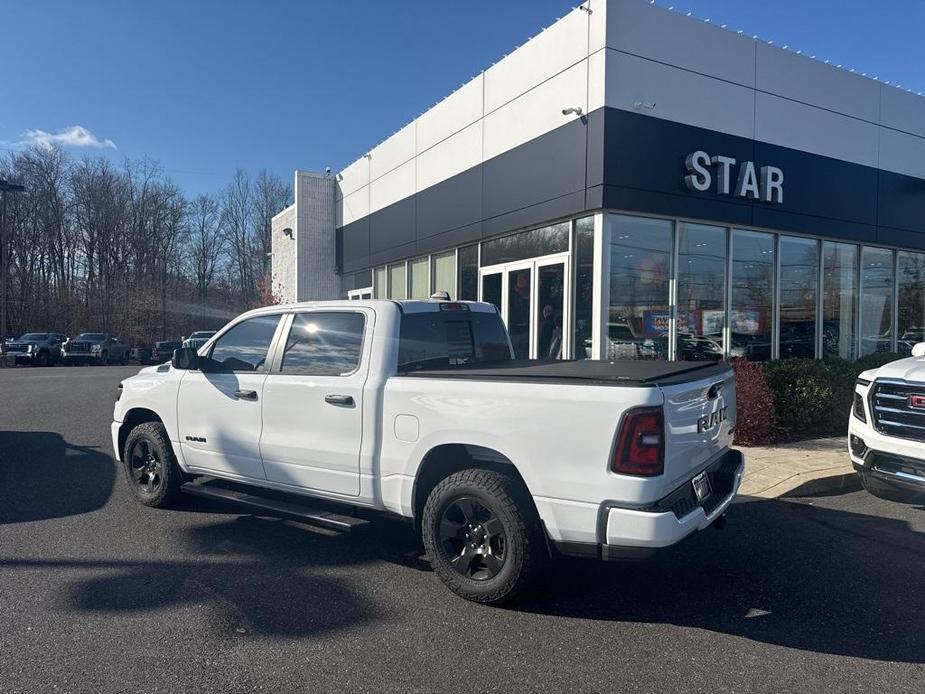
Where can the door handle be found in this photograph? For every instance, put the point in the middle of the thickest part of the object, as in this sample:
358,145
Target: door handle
338,399
246,394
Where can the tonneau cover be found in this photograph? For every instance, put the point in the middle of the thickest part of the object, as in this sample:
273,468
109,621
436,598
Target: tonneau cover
626,372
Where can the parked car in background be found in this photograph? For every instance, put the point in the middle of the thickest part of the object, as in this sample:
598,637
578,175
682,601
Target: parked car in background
163,350
37,349
419,408
198,338
141,354
886,428
95,348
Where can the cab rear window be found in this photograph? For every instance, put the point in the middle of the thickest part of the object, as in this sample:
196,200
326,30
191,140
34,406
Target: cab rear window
451,338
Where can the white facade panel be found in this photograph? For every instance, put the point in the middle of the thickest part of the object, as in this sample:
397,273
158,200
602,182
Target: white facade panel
791,124
650,31
546,54
597,24
597,72
392,153
353,207
392,187
902,153
452,156
459,110
656,89
536,112
902,110
801,78
354,177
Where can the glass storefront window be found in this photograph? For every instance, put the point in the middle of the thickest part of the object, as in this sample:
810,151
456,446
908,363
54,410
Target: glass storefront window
583,272
444,271
910,287
469,273
799,277
752,311
526,244
397,275
839,299
876,300
701,291
381,285
420,278
640,270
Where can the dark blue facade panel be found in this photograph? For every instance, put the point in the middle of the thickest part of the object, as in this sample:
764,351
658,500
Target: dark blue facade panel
629,161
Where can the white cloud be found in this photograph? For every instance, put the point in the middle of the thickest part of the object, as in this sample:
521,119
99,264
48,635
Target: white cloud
74,136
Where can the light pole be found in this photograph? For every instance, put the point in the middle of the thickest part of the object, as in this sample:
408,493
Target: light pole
5,187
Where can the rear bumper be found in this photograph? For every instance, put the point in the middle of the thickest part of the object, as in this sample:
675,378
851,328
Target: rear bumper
627,533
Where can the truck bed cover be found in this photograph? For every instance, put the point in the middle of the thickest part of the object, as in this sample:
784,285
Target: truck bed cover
626,372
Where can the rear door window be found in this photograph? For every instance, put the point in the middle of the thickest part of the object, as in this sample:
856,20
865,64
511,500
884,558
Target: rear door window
324,343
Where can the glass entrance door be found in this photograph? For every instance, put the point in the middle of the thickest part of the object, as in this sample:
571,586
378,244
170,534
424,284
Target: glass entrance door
532,299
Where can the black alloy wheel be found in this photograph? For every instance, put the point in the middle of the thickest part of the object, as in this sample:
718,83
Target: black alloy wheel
146,467
473,539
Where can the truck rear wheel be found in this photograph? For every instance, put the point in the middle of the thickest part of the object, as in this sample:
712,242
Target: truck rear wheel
482,535
151,469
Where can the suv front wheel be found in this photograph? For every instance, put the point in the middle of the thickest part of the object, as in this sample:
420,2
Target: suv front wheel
482,535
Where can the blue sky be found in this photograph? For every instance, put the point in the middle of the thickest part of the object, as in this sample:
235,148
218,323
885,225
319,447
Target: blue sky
205,86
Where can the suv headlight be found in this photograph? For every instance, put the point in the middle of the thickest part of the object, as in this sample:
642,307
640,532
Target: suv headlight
30,348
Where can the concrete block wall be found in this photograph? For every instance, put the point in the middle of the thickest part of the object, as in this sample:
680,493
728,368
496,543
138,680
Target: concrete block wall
283,261
315,200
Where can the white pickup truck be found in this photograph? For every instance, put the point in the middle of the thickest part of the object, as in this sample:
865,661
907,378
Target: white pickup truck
886,428
418,408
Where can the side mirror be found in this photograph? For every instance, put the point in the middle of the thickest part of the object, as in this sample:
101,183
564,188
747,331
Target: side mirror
918,350
185,358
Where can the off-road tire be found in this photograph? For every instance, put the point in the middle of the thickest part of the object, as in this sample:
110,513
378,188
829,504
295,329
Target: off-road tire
167,490
124,359
524,545
42,359
104,358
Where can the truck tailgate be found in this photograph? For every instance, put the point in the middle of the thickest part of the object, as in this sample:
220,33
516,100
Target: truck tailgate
699,422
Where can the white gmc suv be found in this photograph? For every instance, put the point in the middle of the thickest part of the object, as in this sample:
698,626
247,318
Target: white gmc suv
418,408
886,428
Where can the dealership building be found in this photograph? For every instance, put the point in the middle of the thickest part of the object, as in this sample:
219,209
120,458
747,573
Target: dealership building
634,182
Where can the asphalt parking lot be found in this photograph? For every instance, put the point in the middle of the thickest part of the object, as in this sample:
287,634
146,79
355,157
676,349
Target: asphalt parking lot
100,594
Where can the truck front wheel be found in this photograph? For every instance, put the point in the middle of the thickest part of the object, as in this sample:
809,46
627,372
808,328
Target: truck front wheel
483,536
151,469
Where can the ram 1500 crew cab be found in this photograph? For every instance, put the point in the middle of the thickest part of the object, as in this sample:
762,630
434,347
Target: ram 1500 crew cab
419,408
886,428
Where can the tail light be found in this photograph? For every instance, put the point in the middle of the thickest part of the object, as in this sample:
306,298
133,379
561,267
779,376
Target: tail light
640,446
859,407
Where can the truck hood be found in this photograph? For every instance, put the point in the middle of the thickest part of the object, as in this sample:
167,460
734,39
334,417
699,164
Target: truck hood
911,369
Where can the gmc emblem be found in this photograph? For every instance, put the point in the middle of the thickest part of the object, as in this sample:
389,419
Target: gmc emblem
917,401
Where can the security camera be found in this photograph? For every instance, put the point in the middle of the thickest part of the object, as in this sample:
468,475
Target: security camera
572,109
327,171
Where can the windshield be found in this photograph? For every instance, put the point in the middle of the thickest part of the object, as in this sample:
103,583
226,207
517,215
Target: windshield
92,337
34,337
202,335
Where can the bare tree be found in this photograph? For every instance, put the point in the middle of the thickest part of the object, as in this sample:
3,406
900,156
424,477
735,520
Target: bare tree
205,243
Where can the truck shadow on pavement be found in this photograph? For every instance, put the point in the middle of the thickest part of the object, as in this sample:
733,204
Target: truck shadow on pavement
790,574
42,476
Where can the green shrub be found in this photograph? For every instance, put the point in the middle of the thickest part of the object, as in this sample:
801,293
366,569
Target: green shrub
812,397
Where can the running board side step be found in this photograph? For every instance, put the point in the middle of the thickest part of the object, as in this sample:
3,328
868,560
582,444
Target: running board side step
211,488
